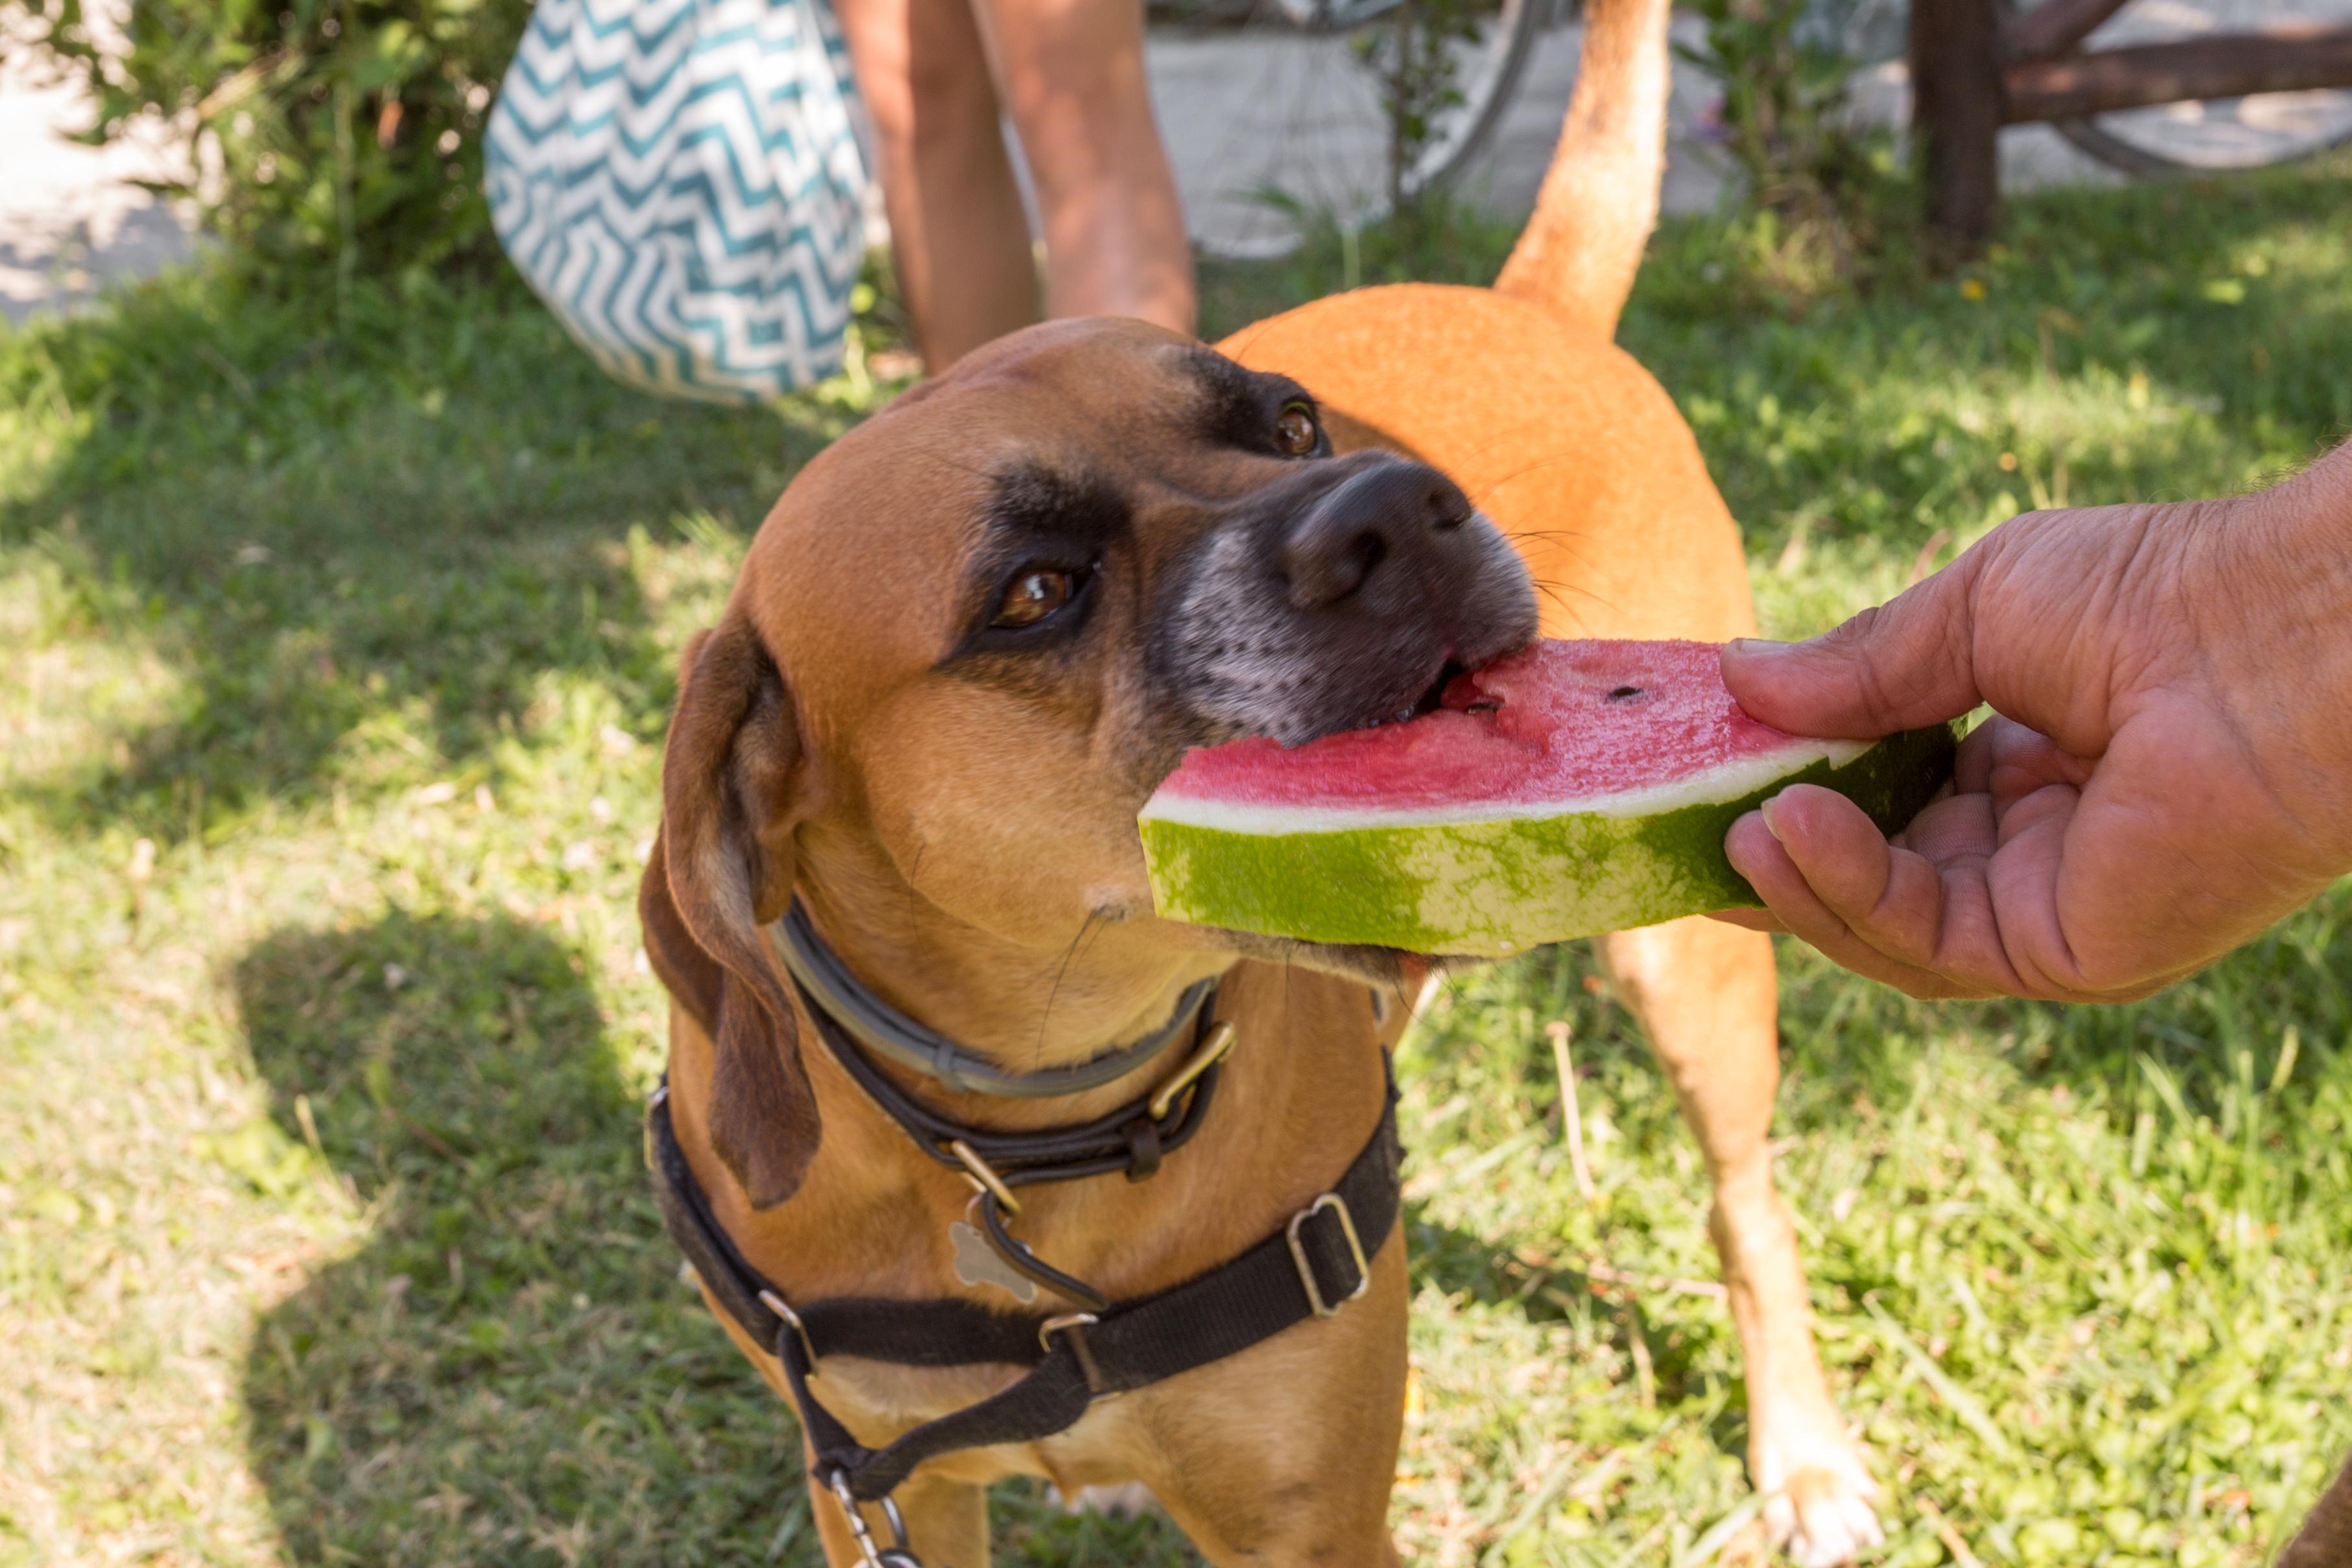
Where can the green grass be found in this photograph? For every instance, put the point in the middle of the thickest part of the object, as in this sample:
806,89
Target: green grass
323,1238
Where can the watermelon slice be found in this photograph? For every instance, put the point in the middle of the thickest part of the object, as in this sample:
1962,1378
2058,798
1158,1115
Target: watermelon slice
1571,789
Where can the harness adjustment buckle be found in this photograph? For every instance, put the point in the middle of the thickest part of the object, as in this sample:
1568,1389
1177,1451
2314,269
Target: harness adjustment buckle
792,1319
1075,1324
1315,1299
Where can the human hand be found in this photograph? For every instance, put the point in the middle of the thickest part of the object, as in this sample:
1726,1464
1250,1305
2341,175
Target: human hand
2171,773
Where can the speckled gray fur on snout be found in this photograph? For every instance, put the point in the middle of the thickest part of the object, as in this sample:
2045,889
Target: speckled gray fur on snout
1247,659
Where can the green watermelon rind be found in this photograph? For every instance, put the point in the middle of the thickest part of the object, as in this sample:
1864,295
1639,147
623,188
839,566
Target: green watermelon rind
1490,889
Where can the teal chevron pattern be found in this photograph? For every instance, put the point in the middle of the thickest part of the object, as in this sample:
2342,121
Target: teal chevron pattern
681,181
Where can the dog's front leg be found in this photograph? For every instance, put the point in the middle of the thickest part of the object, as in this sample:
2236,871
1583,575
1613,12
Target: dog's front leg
1707,996
947,1522
1284,1456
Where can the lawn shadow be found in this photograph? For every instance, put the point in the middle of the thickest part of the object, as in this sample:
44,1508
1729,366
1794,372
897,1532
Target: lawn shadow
509,1370
362,543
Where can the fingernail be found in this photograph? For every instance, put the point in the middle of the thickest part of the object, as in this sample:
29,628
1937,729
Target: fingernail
1772,827
1756,646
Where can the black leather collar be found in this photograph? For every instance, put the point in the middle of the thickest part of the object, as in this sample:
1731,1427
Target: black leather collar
1311,1268
890,1034
1132,1139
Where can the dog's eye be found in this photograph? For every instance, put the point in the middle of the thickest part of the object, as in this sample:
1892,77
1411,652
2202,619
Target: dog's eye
1034,594
1296,432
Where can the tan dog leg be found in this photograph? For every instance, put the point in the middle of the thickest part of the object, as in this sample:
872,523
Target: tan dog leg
1707,995
1285,1455
947,1522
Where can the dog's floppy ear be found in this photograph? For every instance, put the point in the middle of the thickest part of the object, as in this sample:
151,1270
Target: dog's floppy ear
722,870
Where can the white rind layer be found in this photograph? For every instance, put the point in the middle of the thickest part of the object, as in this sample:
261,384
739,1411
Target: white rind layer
1709,786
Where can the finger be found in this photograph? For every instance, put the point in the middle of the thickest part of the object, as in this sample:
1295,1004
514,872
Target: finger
1972,764
1751,919
1951,828
1796,909
1899,665
1843,857
2021,761
2022,882
1894,900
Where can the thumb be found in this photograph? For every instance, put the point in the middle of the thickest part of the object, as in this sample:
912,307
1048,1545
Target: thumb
1898,665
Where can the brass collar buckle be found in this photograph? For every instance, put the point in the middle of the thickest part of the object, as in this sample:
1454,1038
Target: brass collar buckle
984,1177
792,1319
1213,1050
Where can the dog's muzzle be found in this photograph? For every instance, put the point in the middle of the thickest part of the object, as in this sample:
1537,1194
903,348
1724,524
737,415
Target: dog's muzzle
1340,599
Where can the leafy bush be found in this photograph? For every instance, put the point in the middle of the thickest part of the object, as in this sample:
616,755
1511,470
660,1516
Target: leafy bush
342,133
1818,184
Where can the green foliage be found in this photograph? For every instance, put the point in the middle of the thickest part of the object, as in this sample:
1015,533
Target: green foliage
1819,189
323,1233
348,133
1413,57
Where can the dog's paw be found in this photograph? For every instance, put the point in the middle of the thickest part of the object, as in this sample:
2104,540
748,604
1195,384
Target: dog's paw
1819,1501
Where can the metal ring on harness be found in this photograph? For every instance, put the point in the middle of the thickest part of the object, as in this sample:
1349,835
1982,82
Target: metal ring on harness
901,1554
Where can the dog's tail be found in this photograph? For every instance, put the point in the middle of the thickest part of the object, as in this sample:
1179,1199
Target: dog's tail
1599,199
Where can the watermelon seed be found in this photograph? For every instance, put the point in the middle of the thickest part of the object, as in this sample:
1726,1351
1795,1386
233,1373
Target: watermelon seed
1622,693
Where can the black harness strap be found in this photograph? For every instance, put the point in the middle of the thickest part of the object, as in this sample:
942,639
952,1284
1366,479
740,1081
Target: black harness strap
836,990
1311,1268
1133,1138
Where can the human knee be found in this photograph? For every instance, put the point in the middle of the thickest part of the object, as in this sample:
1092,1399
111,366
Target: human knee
1074,78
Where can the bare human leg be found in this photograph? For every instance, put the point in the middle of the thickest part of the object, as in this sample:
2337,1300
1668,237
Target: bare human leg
1071,74
958,234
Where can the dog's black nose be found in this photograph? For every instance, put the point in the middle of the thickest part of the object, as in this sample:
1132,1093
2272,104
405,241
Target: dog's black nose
1390,517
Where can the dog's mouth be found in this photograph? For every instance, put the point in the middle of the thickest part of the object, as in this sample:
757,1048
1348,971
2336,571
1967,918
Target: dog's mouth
1445,689
1432,695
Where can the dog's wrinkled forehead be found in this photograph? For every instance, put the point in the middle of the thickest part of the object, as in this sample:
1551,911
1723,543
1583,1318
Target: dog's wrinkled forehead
1046,445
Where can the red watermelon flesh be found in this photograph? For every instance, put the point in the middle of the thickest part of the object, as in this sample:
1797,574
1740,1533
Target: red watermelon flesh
1556,722
1568,789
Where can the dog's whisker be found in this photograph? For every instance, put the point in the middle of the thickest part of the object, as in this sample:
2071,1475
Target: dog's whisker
1480,499
1557,588
1093,917
914,869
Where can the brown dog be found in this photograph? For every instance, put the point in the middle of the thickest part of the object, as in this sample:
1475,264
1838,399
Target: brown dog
970,640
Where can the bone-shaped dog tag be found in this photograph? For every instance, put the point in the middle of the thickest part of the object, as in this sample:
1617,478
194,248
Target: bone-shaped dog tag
977,1263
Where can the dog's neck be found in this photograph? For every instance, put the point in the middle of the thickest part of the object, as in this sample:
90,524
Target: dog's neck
1025,1007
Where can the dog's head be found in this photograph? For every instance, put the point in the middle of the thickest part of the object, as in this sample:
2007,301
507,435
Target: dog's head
978,631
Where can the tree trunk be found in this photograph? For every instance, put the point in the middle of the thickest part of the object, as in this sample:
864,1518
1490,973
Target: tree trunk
1957,112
